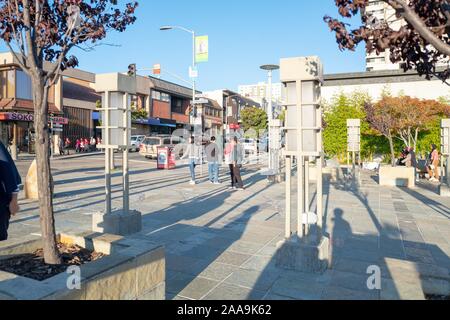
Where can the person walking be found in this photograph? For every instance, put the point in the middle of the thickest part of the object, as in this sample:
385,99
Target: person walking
212,156
67,143
93,144
433,164
237,164
228,154
61,146
86,145
193,154
78,146
9,189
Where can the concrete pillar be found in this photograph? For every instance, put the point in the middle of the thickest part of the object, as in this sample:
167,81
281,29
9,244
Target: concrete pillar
14,154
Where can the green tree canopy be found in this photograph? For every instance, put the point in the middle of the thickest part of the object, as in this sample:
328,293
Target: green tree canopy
254,120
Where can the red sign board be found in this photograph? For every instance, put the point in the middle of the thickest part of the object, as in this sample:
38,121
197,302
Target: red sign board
166,158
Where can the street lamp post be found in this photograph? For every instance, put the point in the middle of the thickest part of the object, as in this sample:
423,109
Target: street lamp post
194,66
270,68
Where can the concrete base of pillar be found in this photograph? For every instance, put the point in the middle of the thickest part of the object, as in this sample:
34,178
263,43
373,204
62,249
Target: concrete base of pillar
304,257
444,190
117,223
279,178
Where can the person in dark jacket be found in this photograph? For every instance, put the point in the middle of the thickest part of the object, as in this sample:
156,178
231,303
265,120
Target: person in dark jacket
9,189
237,163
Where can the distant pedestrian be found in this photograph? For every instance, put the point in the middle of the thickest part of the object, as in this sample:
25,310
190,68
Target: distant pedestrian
193,153
228,154
212,156
86,145
237,159
67,143
433,164
9,189
78,146
61,146
93,144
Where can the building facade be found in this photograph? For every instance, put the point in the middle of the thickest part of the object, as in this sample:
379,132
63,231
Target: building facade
72,102
374,83
380,12
259,93
231,103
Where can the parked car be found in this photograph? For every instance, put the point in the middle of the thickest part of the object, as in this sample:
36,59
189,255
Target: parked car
149,146
250,146
136,142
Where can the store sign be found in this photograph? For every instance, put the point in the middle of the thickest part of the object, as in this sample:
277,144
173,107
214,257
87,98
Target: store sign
27,117
59,120
15,116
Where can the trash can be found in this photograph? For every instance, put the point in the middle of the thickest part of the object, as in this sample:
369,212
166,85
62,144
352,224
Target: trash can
166,158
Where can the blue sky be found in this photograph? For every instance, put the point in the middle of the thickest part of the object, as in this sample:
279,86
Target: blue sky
243,34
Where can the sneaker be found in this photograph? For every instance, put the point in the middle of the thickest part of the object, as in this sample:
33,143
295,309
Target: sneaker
241,189
192,182
217,183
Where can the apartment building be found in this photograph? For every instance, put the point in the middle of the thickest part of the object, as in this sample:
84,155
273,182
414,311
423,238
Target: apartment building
381,12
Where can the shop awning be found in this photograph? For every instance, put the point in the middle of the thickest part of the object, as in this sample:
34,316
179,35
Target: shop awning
156,122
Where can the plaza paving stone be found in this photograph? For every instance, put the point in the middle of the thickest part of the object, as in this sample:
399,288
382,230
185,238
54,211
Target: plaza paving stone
221,244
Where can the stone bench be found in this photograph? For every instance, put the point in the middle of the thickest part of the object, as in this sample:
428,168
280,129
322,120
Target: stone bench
397,177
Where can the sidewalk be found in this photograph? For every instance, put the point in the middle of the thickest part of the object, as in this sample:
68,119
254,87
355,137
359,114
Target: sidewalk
221,244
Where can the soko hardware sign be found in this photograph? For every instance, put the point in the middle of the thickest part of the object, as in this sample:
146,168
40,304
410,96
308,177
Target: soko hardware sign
26,117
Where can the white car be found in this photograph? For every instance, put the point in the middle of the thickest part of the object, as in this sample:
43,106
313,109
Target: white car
250,146
136,142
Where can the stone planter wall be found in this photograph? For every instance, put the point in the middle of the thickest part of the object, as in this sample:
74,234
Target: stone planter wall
397,177
132,270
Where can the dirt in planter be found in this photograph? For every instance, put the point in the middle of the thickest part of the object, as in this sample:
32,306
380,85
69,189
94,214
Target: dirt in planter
32,265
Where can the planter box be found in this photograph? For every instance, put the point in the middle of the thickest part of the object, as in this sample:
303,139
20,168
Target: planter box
397,177
132,270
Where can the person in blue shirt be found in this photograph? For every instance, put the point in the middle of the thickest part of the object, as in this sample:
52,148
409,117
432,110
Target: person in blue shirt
9,190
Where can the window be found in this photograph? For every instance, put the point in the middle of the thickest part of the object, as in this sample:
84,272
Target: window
7,84
177,105
161,96
23,86
166,141
165,97
156,95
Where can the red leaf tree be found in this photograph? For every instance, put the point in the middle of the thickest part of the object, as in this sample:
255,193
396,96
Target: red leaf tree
419,44
40,31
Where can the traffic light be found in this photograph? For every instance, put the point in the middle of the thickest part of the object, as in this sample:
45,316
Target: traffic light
132,70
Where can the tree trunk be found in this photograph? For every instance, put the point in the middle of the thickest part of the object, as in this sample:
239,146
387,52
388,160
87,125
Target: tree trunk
44,175
391,145
416,138
409,137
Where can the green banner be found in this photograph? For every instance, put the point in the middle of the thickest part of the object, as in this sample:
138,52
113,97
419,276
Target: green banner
201,49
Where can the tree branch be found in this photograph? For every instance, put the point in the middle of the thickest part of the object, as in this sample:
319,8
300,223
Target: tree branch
402,8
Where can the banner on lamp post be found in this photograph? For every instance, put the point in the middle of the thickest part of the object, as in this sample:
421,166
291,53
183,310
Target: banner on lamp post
201,49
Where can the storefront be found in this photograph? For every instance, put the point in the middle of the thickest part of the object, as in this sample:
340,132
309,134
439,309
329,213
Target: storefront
18,128
153,126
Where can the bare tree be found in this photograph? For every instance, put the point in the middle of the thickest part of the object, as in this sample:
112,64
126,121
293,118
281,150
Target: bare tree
39,31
